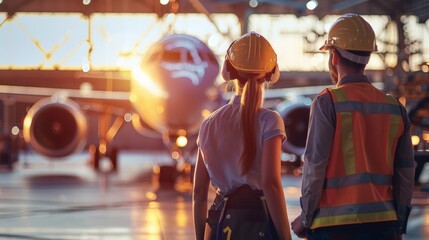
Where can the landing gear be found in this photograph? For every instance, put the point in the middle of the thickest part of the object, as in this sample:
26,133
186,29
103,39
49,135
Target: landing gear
167,175
170,177
177,175
107,130
292,164
8,152
95,158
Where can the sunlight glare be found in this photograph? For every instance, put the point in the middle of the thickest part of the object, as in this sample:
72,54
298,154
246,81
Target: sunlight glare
181,141
181,214
415,140
205,113
128,117
175,155
15,130
425,136
85,89
144,81
27,122
213,40
86,67
133,98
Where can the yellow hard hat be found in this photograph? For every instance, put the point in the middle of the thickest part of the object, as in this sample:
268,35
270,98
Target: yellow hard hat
351,32
252,53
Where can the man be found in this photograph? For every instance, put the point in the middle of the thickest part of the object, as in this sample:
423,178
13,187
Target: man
358,175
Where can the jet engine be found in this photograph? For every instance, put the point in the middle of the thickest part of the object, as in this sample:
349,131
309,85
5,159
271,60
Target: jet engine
55,127
295,115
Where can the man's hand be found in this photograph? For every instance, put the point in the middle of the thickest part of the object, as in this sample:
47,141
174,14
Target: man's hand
298,228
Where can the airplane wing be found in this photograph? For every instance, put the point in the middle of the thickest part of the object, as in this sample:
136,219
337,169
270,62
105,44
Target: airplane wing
58,118
93,100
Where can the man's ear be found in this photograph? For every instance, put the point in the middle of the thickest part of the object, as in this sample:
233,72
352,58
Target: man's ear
335,59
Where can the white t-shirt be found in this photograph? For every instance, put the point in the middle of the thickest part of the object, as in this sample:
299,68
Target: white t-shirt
220,142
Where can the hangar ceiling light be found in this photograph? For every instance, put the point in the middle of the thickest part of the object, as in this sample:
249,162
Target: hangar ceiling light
253,3
312,4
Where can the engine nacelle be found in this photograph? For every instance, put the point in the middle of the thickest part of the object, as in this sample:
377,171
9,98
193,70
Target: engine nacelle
55,127
295,115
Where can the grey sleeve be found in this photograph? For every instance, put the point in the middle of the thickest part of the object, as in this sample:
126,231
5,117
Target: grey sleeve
403,176
318,149
273,126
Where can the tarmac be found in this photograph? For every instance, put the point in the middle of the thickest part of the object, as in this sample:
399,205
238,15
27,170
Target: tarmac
67,200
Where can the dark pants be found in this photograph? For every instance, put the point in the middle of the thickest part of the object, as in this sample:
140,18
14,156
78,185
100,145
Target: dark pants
364,231
243,215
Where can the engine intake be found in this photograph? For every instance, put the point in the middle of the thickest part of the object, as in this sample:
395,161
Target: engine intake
295,115
55,127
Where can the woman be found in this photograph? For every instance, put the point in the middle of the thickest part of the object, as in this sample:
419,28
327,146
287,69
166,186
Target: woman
240,143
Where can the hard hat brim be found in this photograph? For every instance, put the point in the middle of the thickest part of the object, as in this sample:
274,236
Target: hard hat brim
324,47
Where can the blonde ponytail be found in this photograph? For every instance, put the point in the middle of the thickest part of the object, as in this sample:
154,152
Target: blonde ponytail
251,102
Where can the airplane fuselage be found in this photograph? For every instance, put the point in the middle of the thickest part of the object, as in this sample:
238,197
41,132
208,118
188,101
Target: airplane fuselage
171,89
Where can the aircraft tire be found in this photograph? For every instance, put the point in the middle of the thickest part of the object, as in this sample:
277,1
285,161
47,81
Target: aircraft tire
94,157
114,159
167,174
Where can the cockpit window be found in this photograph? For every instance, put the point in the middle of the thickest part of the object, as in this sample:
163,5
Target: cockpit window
189,57
171,56
207,57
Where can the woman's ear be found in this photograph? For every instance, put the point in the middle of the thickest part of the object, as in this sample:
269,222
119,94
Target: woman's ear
275,75
228,71
225,73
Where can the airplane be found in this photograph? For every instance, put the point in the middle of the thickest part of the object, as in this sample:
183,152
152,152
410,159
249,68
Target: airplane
171,91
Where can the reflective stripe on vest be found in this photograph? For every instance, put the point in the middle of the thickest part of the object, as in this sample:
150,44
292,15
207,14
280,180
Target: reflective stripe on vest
359,174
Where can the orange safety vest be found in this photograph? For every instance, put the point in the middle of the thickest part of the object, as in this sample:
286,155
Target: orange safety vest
358,179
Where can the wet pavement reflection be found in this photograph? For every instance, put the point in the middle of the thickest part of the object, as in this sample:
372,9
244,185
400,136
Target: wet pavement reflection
67,200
